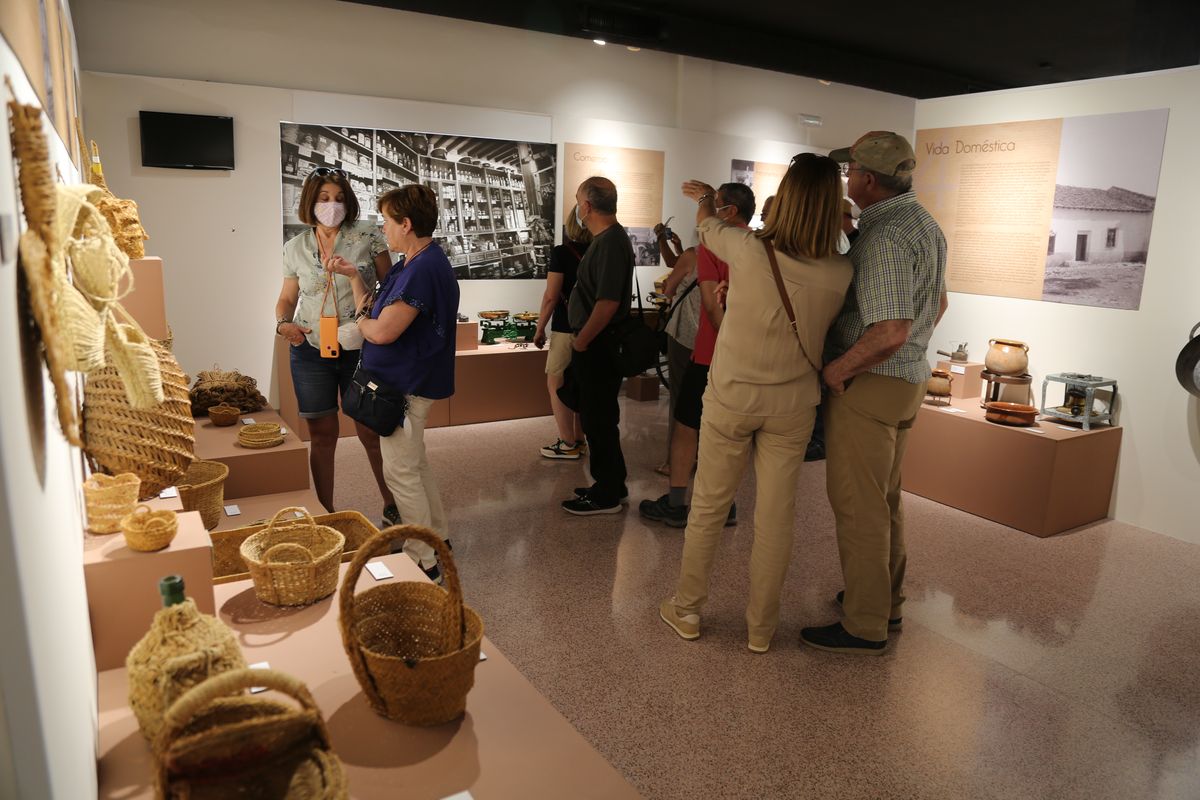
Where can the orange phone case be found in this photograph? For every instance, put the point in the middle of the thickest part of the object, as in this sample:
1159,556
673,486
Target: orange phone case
329,337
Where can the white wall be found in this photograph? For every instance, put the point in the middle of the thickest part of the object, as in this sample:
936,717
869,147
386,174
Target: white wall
47,671
219,233
1160,453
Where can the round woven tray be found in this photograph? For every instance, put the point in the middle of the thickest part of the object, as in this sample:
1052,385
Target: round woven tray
293,562
260,435
202,489
413,646
146,531
156,444
108,499
224,416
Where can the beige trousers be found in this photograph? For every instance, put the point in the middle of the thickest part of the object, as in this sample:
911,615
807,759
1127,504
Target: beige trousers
726,442
865,432
407,472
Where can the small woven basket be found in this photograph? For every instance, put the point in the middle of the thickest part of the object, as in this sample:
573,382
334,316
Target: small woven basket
224,416
293,562
182,648
156,444
109,499
202,489
413,646
260,435
218,742
228,564
146,531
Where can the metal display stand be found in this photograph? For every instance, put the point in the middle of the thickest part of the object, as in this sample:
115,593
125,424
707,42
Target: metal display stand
1088,384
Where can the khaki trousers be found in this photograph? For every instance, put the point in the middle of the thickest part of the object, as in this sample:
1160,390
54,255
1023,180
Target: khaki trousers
407,472
726,441
865,432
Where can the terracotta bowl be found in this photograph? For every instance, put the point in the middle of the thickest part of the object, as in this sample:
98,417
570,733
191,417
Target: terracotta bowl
493,314
1010,413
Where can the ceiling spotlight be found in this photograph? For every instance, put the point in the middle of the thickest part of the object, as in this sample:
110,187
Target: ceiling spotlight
633,49
600,42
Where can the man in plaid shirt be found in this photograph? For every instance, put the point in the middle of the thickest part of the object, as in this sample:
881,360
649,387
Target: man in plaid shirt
876,371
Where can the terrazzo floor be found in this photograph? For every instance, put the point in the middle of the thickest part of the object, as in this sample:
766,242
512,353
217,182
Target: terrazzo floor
1027,668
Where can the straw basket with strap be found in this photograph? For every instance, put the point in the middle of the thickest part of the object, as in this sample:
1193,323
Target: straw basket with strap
413,646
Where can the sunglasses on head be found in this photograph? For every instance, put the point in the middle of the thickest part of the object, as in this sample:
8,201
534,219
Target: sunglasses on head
324,172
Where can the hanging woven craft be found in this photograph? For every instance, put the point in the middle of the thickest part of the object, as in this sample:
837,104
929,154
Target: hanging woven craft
156,443
39,249
122,215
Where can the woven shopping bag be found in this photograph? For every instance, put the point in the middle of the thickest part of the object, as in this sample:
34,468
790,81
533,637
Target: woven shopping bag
413,646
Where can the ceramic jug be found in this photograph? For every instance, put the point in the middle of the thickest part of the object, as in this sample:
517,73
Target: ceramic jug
1007,357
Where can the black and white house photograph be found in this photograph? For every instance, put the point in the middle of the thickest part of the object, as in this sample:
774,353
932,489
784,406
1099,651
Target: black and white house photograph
1104,197
497,197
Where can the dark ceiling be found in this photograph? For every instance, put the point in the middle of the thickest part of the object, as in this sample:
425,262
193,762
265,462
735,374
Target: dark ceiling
909,47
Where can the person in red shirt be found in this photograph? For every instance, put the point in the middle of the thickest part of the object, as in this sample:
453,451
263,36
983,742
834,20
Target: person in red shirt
735,205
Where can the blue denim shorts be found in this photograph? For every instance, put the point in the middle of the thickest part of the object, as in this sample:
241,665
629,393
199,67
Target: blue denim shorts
320,382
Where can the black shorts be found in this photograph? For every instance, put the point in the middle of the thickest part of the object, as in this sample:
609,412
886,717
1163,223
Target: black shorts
690,405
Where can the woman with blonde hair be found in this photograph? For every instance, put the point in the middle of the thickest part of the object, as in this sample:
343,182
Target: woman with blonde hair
763,386
560,280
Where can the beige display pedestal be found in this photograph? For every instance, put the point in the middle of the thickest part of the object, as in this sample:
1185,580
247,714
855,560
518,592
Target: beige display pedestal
968,378
499,381
511,743
283,468
252,509
145,302
1042,480
122,585
466,336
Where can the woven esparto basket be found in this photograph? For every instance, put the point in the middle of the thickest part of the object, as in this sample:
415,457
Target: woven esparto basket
413,646
224,416
260,435
108,499
202,488
131,351
147,531
182,648
293,562
218,742
228,564
156,444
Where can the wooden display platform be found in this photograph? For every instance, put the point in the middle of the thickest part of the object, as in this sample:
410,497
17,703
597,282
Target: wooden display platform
511,743
253,509
145,302
283,468
122,585
499,381
1042,480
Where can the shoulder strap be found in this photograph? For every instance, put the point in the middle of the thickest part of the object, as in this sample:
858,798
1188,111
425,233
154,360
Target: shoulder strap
787,301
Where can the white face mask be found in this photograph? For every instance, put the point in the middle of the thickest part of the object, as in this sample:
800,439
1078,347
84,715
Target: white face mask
330,214
579,219
843,245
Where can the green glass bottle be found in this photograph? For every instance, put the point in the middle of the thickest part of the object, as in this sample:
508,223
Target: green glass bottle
171,589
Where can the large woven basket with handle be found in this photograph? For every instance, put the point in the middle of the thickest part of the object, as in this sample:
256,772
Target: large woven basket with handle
413,646
228,564
293,562
218,743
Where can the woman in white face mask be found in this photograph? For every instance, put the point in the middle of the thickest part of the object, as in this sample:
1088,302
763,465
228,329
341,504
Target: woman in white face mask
328,204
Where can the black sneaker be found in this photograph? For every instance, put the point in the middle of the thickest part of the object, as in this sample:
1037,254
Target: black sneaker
731,518
434,573
583,491
586,507
391,515
835,639
814,452
893,624
661,510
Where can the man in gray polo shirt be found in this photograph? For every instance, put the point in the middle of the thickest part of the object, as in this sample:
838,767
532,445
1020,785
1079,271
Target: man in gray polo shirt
876,371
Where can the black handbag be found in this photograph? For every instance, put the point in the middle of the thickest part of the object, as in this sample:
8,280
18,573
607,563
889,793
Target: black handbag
373,404
633,344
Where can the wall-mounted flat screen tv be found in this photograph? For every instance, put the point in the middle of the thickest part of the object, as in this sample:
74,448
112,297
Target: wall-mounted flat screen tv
186,141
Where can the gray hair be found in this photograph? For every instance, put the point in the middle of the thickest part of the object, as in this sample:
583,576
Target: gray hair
601,193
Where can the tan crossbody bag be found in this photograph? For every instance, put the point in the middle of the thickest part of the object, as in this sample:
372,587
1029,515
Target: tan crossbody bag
787,303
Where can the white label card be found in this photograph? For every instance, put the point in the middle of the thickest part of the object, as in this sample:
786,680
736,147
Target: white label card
953,410
1036,430
247,420
460,796
482,656
957,370
259,665
379,571
232,511
283,431
168,493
